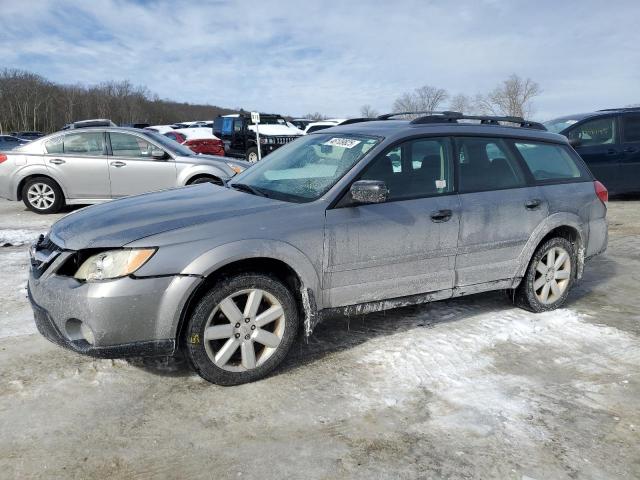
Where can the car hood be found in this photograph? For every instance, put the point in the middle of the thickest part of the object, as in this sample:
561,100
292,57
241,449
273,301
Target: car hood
116,223
276,130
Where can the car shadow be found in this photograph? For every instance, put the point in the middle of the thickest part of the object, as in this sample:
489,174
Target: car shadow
339,332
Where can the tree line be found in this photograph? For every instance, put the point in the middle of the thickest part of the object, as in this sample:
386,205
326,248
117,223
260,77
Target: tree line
511,97
30,102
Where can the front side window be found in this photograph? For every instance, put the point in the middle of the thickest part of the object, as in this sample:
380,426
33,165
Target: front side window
487,164
125,145
550,162
305,169
413,169
600,131
631,127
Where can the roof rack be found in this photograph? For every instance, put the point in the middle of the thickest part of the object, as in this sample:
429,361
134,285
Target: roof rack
387,116
349,121
623,109
453,117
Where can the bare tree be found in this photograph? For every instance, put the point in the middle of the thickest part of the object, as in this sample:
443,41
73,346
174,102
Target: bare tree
315,116
462,103
423,99
367,111
513,97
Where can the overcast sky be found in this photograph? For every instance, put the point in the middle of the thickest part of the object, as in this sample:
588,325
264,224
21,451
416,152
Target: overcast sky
296,57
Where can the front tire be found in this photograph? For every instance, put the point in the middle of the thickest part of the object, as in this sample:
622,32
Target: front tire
241,329
252,155
549,276
42,195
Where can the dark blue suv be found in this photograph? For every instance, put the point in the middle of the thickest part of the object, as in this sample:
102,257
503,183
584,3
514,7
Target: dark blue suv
609,143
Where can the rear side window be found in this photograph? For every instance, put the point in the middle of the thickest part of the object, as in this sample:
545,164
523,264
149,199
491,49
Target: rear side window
487,164
631,128
551,162
88,143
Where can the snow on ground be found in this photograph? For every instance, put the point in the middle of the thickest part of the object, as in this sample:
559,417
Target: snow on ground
18,237
16,316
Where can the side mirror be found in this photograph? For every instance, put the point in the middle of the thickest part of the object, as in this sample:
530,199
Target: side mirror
575,142
369,191
158,154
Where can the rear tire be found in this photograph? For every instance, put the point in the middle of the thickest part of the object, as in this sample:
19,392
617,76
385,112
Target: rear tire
42,195
241,329
549,276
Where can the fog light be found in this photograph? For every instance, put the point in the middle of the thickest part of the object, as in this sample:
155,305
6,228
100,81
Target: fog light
78,330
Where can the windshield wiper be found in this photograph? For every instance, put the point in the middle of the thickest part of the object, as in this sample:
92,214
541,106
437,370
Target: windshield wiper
243,187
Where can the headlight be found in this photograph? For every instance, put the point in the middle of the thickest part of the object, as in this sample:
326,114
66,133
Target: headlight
113,263
267,140
235,167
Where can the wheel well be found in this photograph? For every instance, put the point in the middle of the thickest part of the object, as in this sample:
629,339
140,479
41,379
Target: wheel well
564,231
271,266
35,175
204,175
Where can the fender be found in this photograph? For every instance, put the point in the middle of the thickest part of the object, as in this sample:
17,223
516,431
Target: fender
555,220
38,169
188,173
222,255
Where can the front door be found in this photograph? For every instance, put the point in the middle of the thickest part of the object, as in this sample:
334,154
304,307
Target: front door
133,170
401,247
237,145
499,211
600,148
630,166
78,161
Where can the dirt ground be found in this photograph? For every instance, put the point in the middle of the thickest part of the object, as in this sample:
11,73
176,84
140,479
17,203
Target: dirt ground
464,388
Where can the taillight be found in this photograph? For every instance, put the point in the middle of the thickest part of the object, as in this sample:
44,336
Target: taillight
3,157
601,191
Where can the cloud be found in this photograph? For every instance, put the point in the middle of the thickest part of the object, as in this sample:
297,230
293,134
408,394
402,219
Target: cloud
296,57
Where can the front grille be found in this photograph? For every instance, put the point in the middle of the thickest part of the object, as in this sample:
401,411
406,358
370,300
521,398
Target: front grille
283,140
42,254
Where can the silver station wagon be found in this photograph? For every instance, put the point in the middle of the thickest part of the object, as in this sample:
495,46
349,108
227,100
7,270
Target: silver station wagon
366,216
92,165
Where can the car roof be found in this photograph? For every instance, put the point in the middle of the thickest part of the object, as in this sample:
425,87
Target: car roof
597,113
404,128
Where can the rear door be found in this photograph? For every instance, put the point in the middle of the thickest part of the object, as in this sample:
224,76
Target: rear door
237,145
133,170
404,246
499,210
600,148
630,167
78,161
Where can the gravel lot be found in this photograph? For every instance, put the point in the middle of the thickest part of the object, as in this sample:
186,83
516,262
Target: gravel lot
465,388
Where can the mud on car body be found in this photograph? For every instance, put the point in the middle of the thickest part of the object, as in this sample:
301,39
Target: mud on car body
362,217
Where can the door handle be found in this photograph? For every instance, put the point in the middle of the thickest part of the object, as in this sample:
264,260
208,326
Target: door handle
612,151
118,164
630,150
440,216
56,161
533,204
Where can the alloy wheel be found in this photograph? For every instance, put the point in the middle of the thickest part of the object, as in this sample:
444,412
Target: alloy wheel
553,274
244,330
41,196
252,157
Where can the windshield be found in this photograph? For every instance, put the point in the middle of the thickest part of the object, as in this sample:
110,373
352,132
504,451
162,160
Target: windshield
271,121
170,144
305,169
558,125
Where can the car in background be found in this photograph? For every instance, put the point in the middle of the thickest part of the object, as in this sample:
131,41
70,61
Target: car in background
238,133
301,123
9,142
92,165
93,122
28,135
323,124
200,123
136,125
609,143
199,140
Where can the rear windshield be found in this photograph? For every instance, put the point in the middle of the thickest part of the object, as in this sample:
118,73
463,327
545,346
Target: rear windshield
550,162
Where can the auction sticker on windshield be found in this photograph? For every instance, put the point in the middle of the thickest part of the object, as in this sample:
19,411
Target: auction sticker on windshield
342,142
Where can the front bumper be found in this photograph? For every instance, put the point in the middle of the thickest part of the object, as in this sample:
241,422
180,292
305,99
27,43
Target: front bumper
127,316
